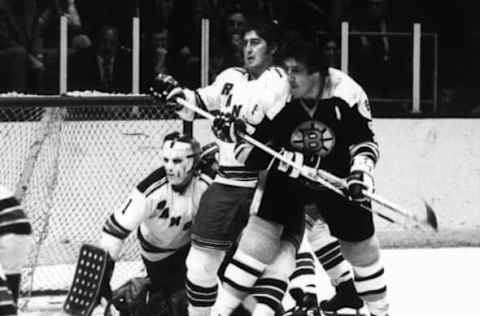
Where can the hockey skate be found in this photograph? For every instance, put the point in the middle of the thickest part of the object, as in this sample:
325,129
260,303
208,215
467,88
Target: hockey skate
345,302
306,304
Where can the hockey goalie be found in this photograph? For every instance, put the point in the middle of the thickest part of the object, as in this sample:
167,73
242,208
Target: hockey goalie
161,209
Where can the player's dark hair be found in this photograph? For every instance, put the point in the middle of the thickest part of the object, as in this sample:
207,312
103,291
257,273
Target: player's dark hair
268,30
307,54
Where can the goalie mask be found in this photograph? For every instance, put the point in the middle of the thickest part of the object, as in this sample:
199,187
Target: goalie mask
181,154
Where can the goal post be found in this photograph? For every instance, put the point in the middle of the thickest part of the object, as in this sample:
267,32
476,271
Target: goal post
72,160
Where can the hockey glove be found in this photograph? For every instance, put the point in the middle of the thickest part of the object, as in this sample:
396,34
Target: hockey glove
360,178
295,157
208,162
165,88
227,128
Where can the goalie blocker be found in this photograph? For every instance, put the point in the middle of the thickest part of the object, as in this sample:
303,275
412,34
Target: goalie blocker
91,281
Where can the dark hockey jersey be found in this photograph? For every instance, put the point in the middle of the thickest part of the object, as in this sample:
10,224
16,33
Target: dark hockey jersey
329,131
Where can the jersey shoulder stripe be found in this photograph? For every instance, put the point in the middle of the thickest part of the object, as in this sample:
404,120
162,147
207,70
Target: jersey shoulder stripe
8,203
279,71
152,180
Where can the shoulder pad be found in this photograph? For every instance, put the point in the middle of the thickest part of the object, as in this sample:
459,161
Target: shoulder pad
342,86
277,71
5,192
156,176
229,73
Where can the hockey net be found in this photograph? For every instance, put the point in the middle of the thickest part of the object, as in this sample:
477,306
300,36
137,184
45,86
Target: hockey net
72,160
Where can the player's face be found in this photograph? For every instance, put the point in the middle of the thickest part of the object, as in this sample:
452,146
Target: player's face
178,162
302,82
256,55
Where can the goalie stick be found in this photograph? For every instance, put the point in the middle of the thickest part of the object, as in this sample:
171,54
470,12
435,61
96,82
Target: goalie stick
334,183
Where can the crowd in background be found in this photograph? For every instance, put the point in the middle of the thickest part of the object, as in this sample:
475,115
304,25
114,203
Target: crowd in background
100,37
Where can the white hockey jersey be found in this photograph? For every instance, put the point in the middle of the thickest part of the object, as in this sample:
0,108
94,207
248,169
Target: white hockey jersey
233,91
162,216
339,84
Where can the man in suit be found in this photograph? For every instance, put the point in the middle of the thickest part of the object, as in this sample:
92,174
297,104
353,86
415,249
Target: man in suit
19,54
104,67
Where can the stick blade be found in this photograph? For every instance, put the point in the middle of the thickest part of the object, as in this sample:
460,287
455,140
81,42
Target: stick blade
431,216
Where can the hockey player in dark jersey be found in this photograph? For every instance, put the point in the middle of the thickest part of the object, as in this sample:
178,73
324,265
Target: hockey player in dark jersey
327,125
15,244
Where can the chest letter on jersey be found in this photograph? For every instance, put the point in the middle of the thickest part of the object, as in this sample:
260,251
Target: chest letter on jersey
175,221
227,87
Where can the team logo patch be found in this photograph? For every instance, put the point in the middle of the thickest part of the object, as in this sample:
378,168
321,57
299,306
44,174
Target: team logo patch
313,137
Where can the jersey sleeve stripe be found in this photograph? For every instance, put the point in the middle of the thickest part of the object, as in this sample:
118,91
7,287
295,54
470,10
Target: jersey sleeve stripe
200,103
12,215
8,203
22,227
112,227
369,149
237,173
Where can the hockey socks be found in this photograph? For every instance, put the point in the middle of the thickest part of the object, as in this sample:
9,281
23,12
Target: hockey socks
371,287
240,275
7,302
201,282
13,281
304,270
200,298
331,259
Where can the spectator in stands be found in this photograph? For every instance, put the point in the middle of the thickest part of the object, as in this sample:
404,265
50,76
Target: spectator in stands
49,21
154,58
106,66
185,38
49,29
331,52
20,60
372,52
227,50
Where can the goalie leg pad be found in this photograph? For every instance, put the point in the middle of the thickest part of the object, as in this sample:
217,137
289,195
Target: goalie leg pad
93,269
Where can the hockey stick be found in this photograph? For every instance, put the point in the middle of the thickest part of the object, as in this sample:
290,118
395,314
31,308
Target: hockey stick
331,181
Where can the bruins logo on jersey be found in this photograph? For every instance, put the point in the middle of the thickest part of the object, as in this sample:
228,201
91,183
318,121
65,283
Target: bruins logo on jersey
313,137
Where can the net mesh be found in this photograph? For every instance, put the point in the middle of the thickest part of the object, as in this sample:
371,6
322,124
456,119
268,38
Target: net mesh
71,166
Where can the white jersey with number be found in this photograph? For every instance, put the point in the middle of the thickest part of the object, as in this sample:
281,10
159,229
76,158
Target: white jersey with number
162,216
233,91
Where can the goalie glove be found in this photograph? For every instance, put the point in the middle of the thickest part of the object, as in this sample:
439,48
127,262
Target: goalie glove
360,178
227,128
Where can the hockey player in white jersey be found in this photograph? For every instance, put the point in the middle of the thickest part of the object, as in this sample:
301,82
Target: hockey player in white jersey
15,244
161,208
257,90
